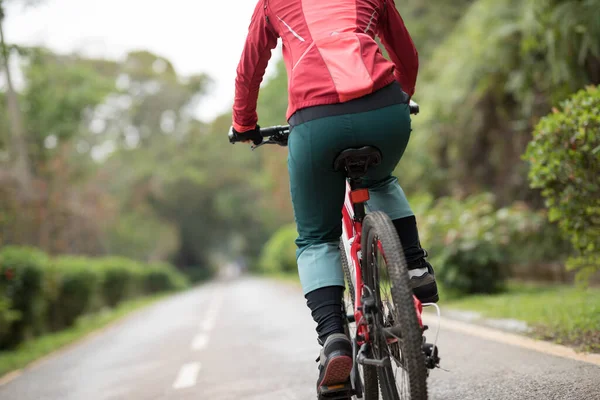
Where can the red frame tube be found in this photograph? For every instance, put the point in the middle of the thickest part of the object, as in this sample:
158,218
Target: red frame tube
353,230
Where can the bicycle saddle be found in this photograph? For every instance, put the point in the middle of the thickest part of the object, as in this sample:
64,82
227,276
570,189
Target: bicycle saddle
357,161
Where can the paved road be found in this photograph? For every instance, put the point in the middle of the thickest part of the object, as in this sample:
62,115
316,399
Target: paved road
254,339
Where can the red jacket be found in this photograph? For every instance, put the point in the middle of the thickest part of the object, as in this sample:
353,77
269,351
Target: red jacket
329,52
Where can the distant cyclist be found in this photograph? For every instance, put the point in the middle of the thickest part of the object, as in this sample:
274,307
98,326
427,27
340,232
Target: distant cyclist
342,93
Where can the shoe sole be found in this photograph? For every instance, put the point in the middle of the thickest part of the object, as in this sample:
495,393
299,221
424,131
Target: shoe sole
337,371
432,299
427,293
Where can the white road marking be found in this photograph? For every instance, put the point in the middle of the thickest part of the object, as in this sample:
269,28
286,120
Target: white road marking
188,375
200,341
212,313
208,325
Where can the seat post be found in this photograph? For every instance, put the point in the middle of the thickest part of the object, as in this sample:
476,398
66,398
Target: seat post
359,208
355,162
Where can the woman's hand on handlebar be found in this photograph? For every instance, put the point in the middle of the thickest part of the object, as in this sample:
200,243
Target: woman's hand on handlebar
251,136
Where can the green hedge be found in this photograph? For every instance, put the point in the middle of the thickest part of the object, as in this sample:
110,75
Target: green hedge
41,294
279,254
565,164
21,287
472,243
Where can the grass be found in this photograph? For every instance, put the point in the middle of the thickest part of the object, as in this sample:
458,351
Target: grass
44,345
563,314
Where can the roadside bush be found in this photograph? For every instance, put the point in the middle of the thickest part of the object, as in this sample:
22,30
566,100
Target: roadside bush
565,164
21,273
279,253
472,244
122,279
39,294
161,277
7,316
79,291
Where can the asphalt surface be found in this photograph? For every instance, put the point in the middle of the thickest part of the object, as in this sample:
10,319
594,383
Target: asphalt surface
254,339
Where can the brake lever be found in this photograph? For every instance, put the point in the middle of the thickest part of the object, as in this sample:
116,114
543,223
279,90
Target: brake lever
256,146
275,139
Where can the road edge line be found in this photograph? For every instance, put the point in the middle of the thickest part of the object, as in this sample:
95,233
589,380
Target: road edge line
513,339
496,335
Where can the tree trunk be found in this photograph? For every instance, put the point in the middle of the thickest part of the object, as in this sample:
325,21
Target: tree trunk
19,153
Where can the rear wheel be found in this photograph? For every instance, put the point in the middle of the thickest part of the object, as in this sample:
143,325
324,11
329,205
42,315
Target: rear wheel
385,273
368,374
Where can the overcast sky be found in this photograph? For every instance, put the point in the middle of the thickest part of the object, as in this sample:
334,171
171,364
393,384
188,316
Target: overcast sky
196,35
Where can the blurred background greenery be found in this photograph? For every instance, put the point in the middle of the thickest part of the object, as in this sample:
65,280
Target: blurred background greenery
111,187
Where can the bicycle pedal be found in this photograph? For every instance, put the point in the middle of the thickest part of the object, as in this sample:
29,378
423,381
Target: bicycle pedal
342,391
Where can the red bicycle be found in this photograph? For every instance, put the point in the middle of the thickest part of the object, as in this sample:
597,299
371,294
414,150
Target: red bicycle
385,327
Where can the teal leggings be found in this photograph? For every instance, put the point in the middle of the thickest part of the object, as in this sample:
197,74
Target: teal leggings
318,190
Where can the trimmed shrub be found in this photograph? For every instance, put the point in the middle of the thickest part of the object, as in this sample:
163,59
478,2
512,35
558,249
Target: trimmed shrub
122,279
279,253
161,277
21,286
565,164
7,316
80,289
39,294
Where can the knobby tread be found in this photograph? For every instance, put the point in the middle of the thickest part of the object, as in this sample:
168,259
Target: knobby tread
378,224
370,384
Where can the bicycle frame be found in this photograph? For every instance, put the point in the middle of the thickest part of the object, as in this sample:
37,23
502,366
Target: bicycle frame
351,239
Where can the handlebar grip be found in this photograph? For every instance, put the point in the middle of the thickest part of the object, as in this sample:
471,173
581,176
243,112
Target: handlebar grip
272,130
241,137
413,107
233,137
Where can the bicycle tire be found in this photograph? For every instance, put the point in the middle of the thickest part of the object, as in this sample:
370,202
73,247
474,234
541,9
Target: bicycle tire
378,228
370,383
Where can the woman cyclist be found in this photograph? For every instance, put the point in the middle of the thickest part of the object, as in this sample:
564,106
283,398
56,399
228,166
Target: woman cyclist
342,93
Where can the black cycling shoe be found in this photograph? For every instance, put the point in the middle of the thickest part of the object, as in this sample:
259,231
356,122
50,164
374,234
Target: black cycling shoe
422,282
335,363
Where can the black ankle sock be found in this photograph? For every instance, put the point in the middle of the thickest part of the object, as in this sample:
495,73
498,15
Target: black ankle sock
409,238
327,311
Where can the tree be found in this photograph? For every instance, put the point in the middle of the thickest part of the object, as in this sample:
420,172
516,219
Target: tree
503,65
22,168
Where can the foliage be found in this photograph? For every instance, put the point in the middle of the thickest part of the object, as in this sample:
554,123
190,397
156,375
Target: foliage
60,90
141,234
121,281
429,23
22,286
79,289
98,128
160,277
473,243
279,254
40,294
514,59
565,163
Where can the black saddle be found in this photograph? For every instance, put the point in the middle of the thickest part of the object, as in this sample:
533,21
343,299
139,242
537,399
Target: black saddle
357,161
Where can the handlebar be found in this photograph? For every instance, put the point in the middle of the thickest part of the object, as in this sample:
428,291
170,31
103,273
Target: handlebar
413,107
279,134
